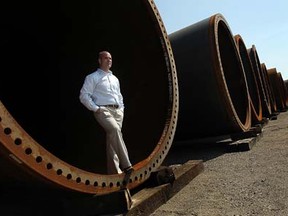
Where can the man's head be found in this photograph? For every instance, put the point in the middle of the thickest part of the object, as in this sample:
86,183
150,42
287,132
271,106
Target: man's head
105,60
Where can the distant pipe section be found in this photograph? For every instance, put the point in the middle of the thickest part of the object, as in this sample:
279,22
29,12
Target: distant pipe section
276,88
213,91
266,106
286,88
254,96
283,90
46,134
270,95
286,84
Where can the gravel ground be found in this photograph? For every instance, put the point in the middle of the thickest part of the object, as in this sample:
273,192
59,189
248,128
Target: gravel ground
253,182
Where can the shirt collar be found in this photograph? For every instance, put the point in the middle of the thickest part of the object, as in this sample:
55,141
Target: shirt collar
109,72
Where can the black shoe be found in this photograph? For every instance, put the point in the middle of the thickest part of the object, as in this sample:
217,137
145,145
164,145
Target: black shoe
128,170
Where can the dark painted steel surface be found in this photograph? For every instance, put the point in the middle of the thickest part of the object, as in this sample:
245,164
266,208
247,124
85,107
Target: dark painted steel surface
286,84
286,89
255,101
276,88
284,94
266,106
269,88
213,91
46,134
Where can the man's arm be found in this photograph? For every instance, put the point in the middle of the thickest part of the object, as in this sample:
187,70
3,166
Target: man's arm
86,94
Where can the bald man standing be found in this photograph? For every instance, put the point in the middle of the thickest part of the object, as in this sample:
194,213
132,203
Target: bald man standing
101,94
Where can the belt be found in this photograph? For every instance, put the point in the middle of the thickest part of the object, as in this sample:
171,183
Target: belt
112,106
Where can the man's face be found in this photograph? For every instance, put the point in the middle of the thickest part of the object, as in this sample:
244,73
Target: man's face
106,60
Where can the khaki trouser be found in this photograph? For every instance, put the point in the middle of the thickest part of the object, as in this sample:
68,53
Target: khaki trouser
117,155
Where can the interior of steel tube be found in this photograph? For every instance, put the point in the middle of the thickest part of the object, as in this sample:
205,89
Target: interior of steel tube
234,75
47,49
253,89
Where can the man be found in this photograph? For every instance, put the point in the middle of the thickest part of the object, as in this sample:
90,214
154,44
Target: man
101,94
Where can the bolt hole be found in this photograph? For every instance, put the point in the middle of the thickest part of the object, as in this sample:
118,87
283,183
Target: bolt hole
49,166
39,159
59,172
28,151
18,141
7,131
69,176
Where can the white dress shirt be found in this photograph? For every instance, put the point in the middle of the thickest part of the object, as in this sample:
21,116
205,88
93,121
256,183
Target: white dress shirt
101,88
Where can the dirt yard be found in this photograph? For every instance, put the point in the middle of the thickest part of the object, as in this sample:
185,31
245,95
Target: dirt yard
253,182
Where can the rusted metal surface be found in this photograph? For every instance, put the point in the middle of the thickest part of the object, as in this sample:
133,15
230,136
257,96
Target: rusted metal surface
46,135
265,102
212,86
284,93
286,84
276,88
286,90
269,88
254,96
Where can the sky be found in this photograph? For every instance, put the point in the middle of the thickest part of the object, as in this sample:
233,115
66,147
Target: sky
263,23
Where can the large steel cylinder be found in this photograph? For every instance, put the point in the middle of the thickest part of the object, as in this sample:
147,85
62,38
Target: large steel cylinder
254,96
286,84
286,88
284,94
270,95
46,134
266,106
212,86
276,88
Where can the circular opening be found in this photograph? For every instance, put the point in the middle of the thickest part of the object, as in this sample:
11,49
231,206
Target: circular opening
28,151
38,159
59,172
49,166
69,176
51,55
233,72
18,141
7,131
250,77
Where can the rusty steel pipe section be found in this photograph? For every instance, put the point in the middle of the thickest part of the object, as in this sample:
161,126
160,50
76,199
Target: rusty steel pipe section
276,88
46,134
270,95
265,103
286,84
254,96
286,90
284,93
212,86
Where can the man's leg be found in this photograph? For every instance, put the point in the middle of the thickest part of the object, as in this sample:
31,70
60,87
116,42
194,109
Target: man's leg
111,121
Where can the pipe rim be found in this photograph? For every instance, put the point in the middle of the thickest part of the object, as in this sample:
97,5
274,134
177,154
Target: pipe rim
26,152
253,90
243,125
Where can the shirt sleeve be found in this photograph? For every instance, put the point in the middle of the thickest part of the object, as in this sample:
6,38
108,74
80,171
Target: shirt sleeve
86,94
120,97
